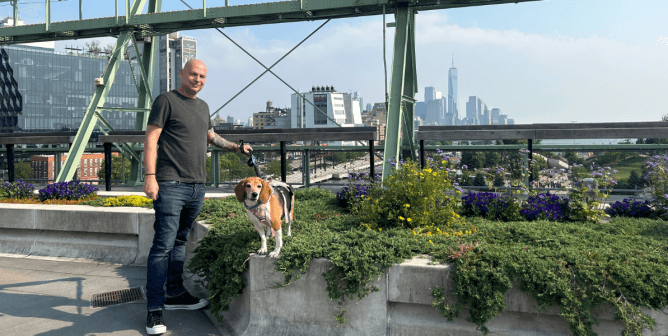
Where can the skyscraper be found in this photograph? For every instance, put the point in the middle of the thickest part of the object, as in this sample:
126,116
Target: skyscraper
429,93
452,91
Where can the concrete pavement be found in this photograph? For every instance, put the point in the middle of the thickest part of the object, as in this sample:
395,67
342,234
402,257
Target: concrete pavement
50,296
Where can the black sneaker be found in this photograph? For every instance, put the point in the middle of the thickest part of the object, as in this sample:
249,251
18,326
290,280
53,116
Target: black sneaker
155,324
185,301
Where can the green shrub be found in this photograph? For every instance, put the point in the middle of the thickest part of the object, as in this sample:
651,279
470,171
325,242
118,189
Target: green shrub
411,198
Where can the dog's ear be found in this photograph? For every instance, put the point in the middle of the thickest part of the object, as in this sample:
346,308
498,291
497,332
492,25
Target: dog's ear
266,192
240,190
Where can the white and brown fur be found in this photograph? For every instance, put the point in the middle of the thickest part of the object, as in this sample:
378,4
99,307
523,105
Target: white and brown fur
269,214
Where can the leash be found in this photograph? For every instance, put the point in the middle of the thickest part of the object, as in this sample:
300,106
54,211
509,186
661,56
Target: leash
251,160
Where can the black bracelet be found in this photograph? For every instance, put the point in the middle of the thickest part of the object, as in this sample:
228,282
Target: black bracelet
149,174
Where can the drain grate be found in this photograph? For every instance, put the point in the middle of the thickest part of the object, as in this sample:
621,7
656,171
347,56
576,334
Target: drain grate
117,297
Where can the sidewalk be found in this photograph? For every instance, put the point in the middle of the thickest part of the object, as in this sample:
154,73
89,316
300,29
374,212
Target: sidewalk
50,296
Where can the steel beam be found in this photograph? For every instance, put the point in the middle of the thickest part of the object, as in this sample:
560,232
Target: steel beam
404,18
101,91
156,24
146,63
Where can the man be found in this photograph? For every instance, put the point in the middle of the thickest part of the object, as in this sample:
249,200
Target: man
175,151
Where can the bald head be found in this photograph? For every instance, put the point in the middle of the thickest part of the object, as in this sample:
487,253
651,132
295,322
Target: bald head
194,62
193,77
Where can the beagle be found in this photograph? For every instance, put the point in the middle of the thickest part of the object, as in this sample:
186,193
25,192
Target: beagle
267,205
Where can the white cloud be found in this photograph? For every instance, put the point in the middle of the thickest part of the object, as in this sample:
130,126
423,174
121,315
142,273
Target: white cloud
531,77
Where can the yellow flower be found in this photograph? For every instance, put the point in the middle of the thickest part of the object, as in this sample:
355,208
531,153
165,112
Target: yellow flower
408,219
407,205
444,162
431,242
414,233
401,218
380,229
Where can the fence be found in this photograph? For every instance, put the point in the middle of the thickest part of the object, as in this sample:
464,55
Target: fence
298,156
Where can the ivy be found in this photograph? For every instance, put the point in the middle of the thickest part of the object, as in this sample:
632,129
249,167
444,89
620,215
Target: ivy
574,265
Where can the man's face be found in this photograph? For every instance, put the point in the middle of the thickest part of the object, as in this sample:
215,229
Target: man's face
193,77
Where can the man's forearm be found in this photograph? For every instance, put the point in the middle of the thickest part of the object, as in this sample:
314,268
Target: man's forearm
221,143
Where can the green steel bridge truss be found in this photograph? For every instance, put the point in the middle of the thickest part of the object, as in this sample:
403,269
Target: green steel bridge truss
134,26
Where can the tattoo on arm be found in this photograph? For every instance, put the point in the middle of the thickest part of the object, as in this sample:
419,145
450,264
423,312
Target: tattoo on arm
219,142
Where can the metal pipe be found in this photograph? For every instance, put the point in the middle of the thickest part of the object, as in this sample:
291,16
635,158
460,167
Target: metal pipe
10,162
422,154
284,171
16,11
127,11
47,10
204,7
81,13
372,167
107,166
530,141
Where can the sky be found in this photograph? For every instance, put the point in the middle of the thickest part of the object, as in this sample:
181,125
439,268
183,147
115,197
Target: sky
539,62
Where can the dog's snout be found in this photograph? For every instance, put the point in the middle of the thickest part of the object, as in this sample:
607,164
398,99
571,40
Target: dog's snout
254,194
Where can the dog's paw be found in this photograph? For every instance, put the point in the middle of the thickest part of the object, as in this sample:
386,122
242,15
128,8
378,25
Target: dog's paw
262,251
274,254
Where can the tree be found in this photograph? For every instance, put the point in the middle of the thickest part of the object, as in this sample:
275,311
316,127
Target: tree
498,181
232,167
22,170
473,159
116,168
93,48
634,180
492,159
108,49
479,180
274,167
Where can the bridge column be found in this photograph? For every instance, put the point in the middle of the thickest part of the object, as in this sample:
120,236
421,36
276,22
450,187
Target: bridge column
146,63
91,116
403,87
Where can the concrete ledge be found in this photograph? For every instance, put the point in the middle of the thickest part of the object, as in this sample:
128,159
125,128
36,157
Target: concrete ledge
116,234
401,307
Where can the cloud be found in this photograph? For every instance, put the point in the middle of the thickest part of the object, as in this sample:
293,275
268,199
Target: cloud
531,77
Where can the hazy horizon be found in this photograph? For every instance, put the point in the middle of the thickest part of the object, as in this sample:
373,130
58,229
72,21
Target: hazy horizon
544,61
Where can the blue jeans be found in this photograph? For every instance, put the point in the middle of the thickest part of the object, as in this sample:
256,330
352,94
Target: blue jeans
176,208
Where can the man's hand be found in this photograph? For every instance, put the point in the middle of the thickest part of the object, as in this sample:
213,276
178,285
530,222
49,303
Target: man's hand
151,187
247,149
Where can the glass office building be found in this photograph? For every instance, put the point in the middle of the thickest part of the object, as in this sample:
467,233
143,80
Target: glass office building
57,87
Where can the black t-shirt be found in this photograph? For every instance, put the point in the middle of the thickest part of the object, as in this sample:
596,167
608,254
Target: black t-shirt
183,142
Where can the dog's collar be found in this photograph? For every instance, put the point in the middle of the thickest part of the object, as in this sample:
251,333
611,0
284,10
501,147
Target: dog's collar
254,206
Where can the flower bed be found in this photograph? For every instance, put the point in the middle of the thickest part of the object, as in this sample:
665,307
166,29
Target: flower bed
623,263
66,193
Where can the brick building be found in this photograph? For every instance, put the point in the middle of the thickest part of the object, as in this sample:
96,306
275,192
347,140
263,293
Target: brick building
43,166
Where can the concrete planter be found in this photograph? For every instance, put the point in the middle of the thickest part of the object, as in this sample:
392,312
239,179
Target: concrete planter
401,307
115,234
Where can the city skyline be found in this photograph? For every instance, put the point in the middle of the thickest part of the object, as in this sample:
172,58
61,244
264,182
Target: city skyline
545,61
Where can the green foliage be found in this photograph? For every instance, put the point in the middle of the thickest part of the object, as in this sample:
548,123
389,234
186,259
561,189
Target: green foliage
410,197
116,168
22,170
622,263
221,257
498,181
342,157
575,266
232,167
479,180
492,159
473,159
128,201
584,207
274,167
